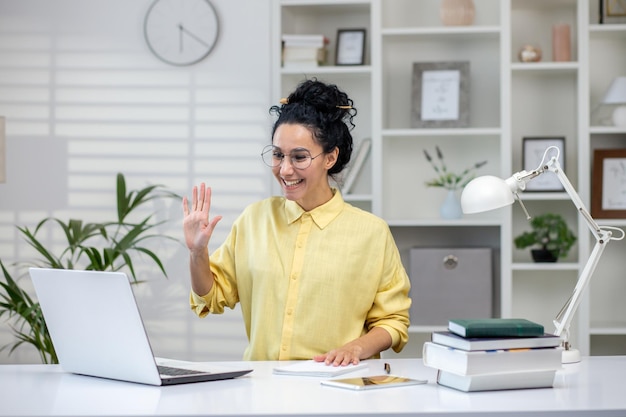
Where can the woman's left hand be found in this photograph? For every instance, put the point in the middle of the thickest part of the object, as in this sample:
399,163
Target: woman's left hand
345,355
366,346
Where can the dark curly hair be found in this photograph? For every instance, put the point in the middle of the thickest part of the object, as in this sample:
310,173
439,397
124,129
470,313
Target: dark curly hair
326,111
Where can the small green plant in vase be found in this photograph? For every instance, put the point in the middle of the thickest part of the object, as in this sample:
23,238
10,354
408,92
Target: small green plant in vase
451,181
550,236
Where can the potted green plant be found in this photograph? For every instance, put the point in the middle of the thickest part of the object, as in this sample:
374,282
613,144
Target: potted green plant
112,245
550,236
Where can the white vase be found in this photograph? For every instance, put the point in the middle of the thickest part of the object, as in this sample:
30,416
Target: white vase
451,206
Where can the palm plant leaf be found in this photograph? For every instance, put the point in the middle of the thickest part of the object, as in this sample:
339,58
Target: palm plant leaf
115,243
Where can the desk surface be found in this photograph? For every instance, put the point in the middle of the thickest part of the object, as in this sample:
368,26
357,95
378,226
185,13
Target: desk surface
594,387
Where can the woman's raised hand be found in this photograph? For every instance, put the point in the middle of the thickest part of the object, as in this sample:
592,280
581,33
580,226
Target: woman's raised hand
197,226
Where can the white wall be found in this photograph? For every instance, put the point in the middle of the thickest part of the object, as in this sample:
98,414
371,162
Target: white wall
85,99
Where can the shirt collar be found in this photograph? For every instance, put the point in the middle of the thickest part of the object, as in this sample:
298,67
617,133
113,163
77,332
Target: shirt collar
322,215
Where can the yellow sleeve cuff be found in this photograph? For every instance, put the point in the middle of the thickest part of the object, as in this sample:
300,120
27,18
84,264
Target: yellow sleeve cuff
200,304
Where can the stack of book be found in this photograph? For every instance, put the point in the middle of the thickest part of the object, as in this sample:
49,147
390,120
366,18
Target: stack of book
494,354
302,51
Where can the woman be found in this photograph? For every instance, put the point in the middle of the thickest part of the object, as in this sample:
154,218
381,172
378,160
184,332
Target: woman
315,277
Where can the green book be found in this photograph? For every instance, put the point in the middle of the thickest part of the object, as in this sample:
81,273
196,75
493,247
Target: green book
495,328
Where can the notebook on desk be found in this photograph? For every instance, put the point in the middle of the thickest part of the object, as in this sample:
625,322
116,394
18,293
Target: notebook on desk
97,330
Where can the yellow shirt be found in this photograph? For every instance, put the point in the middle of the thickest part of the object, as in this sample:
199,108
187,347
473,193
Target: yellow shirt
308,282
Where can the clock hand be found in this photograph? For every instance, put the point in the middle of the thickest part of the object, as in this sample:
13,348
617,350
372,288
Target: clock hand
192,35
180,37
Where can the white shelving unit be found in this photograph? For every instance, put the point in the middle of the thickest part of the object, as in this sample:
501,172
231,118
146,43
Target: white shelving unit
509,100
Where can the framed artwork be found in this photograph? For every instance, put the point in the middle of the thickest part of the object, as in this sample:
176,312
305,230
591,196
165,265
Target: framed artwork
533,149
608,184
612,11
350,47
440,95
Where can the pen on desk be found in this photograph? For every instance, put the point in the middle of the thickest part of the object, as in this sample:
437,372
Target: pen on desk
387,368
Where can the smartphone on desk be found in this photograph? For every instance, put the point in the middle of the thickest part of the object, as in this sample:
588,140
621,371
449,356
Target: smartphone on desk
372,382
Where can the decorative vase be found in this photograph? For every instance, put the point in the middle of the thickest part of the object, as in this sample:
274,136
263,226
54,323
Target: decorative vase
529,53
451,207
457,12
544,255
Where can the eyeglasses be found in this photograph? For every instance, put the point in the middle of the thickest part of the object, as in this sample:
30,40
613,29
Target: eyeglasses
300,158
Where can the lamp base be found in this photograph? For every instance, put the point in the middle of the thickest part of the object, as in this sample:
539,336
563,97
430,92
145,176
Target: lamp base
570,356
619,116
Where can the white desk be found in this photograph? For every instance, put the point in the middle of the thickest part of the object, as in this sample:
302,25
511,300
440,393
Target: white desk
594,387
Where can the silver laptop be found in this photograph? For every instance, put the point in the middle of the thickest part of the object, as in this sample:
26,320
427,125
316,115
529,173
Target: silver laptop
96,330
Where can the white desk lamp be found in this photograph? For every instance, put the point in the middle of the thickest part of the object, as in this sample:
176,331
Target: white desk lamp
616,94
490,192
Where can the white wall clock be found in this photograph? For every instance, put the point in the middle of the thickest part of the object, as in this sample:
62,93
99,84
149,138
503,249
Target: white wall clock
181,32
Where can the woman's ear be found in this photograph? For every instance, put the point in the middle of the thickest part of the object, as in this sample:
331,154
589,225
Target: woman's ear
331,158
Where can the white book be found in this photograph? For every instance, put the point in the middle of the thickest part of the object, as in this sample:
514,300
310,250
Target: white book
318,41
303,64
318,369
493,343
499,381
464,362
295,53
354,168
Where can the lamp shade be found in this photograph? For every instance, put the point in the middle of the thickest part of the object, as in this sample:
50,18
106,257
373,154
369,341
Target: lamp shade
616,94
486,193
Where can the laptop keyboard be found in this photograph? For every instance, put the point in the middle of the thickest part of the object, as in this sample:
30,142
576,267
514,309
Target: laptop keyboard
170,371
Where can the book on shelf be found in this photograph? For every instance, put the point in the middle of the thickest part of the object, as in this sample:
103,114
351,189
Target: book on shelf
543,378
317,369
301,64
317,41
465,362
495,327
300,53
354,168
494,343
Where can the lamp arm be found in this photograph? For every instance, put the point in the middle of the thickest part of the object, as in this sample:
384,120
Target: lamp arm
565,316
554,166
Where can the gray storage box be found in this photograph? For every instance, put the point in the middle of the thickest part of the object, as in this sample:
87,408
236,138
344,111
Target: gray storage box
450,283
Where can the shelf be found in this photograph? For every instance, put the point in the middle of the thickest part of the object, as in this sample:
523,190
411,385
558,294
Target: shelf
608,328
547,196
618,30
469,131
610,130
436,222
611,222
545,66
308,5
331,69
556,266
465,31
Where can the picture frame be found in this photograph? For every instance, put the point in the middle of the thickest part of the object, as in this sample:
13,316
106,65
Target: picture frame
612,11
533,149
440,94
350,47
608,184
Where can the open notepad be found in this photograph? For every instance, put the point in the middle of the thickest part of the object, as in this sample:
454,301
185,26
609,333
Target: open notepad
319,369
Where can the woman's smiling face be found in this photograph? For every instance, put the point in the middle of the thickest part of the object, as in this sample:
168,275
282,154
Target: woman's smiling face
309,186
